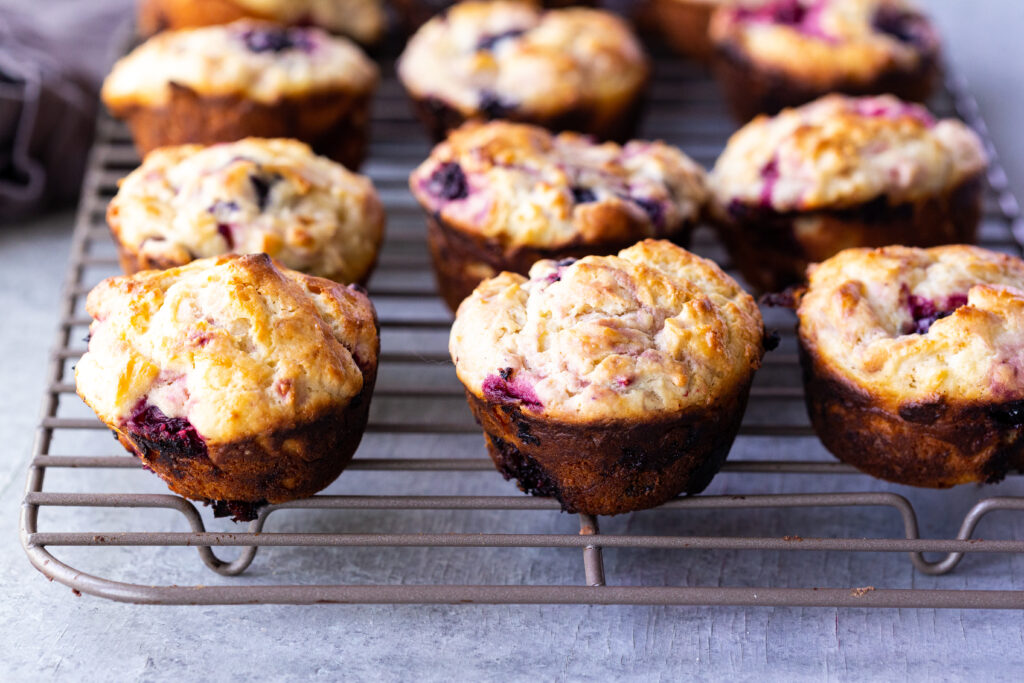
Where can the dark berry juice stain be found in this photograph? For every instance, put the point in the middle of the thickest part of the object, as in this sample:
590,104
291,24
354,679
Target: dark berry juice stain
907,27
493,106
276,40
926,311
448,182
237,510
502,388
488,42
770,175
785,12
261,186
653,208
1009,414
582,195
150,428
225,232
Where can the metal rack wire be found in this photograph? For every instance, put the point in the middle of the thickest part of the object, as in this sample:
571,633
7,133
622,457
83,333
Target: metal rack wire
419,400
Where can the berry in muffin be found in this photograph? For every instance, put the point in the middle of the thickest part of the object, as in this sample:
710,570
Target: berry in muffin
783,53
251,196
566,69
843,172
237,381
912,362
362,20
612,383
500,196
246,79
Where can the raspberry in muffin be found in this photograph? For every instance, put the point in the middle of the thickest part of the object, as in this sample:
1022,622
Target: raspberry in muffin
843,172
783,53
566,69
912,362
500,196
246,79
612,383
362,20
251,196
236,380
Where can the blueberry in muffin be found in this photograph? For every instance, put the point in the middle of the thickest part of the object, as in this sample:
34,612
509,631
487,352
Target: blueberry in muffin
912,362
361,20
566,69
251,196
238,381
783,53
612,383
500,196
843,172
246,79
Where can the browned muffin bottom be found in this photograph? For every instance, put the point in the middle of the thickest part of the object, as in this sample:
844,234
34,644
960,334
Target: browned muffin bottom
773,250
682,24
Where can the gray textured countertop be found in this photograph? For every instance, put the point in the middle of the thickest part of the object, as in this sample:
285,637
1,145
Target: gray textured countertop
46,632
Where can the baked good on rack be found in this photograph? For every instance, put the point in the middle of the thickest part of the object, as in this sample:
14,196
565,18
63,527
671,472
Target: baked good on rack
236,380
246,79
251,196
566,69
500,196
843,172
912,362
612,383
684,24
782,53
363,20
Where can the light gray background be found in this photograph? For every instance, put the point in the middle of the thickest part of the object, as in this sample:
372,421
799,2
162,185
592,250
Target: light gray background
45,632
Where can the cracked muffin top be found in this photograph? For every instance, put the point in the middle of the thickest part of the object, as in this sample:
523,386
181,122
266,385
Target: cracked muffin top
251,59
839,151
226,348
256,195
919,325
648,333
824,42
521,185
494,56
363,20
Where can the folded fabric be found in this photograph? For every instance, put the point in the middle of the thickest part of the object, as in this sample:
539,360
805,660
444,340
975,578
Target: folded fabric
47,109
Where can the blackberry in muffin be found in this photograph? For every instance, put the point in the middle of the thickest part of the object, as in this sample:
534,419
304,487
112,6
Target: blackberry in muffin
239,382
362,20
500,196
843,172
783,53
566,69
251,196
246,79
612,383
912,362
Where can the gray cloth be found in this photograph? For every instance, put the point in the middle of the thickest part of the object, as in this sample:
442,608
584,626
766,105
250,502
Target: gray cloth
47,109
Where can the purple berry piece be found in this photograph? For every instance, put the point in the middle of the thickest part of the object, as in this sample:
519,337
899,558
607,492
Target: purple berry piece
583,195
906,27
770,174
653,208
276,40
488,42
926,311
448,182
238,510
261,186
502,388
225,232
493,106
150,428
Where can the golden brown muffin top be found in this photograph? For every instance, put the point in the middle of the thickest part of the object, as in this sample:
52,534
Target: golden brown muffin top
839,151
236,345
919,325
247,58
272,196
826,42
638,336
479,56
523,186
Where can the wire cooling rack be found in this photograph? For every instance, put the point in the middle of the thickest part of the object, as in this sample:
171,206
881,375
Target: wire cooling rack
421,516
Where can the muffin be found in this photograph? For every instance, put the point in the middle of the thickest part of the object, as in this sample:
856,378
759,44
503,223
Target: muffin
783,53
566,69
683,24
912,362
362,20
246,79
843,172
251,196
500,196
414,13
612,383
238,381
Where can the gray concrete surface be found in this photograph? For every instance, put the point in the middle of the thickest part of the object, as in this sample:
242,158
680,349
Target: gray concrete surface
47,633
